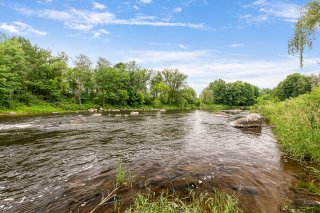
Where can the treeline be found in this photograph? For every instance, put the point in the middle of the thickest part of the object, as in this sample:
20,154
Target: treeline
244,94
29,74
234,94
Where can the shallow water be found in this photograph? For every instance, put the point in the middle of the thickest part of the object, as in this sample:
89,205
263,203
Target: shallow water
61,163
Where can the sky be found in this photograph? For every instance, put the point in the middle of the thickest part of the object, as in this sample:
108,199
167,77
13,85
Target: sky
243,40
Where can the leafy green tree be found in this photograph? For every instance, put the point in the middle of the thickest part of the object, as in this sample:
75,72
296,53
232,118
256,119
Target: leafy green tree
293,86
306,29
206,96
176,81
236,94
13,70
219,90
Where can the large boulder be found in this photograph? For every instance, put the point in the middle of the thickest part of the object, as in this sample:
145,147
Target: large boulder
251,120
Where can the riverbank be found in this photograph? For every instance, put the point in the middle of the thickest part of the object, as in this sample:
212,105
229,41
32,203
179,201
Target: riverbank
48,108
297,125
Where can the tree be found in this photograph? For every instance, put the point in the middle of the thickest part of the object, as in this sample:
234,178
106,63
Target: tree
293,86
219,90
306,29
206,96
13,68
176,81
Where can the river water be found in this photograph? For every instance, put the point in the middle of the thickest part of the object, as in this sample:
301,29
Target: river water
64,162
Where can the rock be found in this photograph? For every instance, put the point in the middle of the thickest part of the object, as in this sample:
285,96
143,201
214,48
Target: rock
221,114
92,110
116,110
163,110
134,113
233,111
96,115
251,120
12,113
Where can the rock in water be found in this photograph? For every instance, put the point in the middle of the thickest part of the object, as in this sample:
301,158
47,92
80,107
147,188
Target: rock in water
92,110
96,115
134,113
251,120
221,114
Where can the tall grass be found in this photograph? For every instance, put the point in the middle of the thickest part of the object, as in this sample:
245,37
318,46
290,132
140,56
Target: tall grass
123,178
297,124
166,202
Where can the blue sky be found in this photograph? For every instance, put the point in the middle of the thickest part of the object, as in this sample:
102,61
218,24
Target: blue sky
206,39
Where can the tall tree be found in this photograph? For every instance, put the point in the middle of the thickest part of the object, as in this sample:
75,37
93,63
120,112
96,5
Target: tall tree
306,29
176,81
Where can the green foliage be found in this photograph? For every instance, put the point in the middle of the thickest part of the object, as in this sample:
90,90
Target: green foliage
31,75
234,94
122,177
165,202
306,29
297,124
293,86
309,186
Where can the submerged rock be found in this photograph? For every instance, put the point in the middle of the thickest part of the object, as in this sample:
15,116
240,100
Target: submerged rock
233,111
251,120
96,115
134,113
221,114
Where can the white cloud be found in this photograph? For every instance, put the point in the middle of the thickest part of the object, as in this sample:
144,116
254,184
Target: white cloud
177,10
250,19
44,1
288,12
146,1
86,20
205,66
236,45
98,6
182,46
97,34
167,57
21,28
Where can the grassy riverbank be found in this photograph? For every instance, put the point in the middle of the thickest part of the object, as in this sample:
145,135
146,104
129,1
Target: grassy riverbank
297,124
45,108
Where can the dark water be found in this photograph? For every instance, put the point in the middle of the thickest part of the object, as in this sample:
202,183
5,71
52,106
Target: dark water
62,163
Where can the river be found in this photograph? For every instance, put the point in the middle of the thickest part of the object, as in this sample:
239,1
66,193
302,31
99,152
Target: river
64,162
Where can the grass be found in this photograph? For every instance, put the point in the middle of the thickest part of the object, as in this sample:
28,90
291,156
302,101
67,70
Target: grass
308,186
41,107
297,124
123,178
166,202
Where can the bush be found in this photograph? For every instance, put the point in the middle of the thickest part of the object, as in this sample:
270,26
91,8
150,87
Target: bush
293,86
297,124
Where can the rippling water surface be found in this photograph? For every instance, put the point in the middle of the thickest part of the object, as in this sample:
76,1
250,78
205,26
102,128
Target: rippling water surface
61,163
